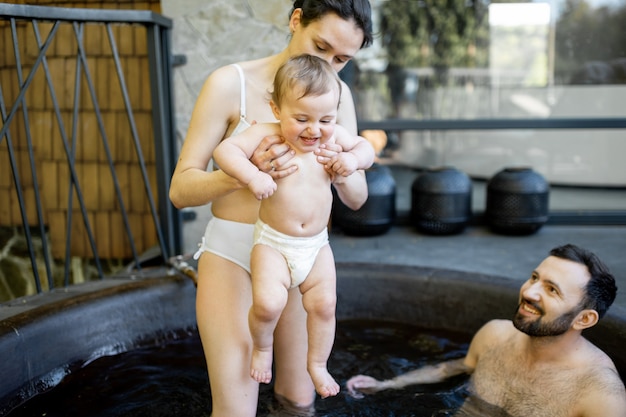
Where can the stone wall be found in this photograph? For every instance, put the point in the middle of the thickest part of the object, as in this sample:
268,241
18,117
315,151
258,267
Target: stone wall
213,33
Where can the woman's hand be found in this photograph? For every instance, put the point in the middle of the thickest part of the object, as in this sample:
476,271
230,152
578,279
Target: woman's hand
272,156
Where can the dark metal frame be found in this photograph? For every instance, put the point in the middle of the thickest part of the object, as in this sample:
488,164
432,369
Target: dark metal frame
496,124
166,218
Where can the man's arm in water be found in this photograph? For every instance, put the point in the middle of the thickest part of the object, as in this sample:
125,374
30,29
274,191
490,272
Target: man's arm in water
431,374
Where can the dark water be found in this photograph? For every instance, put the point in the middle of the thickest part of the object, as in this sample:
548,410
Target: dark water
171,380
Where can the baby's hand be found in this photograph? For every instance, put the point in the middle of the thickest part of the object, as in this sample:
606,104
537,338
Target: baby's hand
343,163
262,185
327,151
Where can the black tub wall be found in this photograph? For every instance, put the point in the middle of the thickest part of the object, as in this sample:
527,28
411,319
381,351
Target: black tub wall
426,297
38,345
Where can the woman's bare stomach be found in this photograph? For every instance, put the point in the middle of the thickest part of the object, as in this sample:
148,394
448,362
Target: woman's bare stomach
239,206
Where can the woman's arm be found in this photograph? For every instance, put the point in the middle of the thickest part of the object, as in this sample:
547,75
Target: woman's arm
233,153
214,111
191,184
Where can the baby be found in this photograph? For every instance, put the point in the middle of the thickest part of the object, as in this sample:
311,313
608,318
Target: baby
291,237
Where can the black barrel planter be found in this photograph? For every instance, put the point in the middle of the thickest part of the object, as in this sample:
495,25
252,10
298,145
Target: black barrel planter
441,201
517,201
378,213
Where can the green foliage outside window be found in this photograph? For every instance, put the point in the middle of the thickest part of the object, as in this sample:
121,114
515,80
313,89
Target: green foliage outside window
443,34
436,33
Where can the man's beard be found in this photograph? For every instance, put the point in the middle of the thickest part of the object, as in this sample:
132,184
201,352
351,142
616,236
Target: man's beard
541,328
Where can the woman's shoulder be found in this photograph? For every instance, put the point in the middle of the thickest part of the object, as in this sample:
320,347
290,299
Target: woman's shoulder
223,78
225,81
228,78
260,71
217,100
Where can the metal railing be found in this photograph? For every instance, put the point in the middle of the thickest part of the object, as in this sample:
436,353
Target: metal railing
35,29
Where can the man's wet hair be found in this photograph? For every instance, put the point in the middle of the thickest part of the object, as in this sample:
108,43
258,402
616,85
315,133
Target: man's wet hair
601,289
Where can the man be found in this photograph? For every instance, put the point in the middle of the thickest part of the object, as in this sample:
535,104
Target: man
539,364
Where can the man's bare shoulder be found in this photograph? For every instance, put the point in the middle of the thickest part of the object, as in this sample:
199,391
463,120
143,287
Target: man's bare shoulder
601,393
600,366
496,328
492,334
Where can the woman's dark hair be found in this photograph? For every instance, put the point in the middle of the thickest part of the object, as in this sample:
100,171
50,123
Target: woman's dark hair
600,291
359,10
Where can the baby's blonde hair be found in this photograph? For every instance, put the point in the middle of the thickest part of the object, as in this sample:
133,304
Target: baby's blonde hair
311,75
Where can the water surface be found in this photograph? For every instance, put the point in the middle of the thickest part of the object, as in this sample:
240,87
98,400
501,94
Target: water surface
171,379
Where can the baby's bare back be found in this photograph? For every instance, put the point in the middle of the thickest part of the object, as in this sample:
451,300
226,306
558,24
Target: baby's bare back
302,202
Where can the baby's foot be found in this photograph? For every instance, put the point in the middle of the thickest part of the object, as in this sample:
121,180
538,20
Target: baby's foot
325,384
261,366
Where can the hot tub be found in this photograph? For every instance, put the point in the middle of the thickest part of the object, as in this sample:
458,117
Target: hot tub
42,338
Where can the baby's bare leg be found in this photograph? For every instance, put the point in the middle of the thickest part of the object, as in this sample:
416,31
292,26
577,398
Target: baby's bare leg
319,299
270,280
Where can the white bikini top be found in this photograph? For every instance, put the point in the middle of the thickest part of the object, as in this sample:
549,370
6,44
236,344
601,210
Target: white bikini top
243,123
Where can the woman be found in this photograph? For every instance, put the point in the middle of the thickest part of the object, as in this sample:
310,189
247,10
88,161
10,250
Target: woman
233,97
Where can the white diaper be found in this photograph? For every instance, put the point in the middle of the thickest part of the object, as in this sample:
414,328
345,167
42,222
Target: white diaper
299,252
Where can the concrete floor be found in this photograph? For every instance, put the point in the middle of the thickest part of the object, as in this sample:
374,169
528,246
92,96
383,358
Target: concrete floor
477,249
